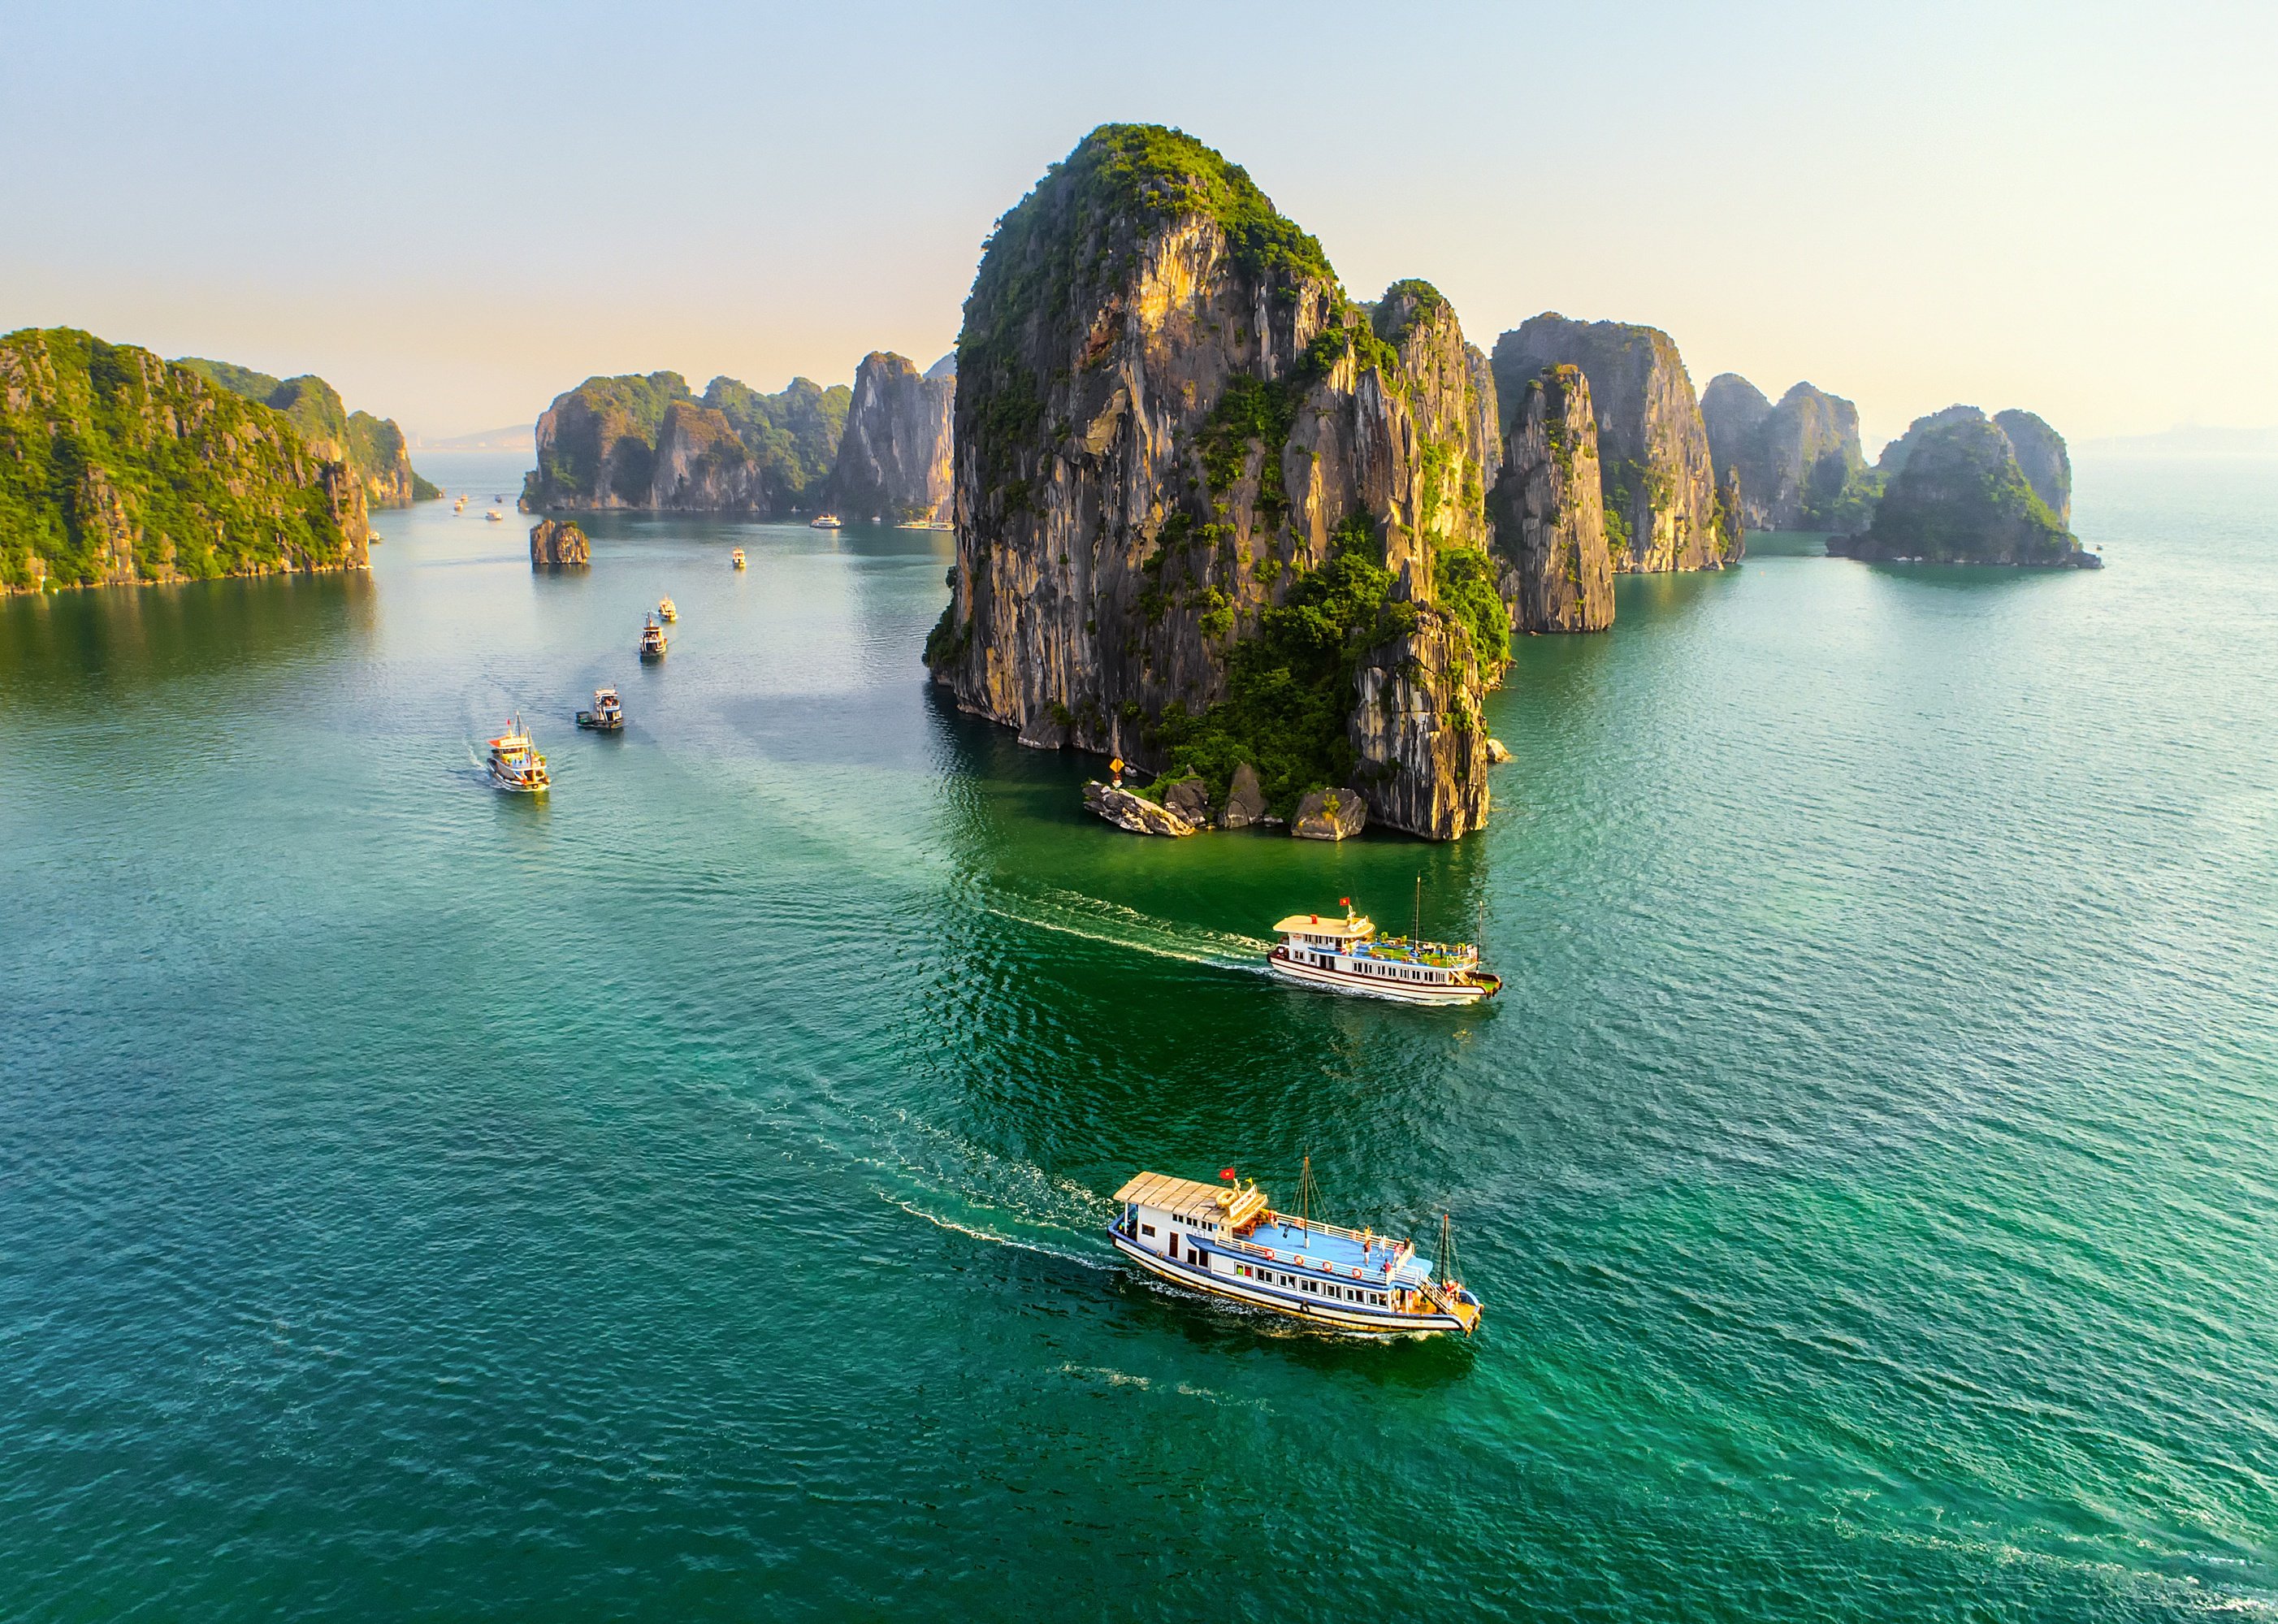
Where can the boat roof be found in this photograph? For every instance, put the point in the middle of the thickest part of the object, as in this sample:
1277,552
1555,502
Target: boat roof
1188,1197
1318,924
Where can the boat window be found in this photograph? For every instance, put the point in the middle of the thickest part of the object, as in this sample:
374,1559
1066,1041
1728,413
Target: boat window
1146,1228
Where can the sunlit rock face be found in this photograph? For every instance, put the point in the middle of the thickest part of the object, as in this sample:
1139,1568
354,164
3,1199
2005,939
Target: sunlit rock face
1658,479
1170,425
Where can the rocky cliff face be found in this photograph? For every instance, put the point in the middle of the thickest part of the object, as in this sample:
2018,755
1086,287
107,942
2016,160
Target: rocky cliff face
1797,465
1208,513
2041,458
1548,506
650,442
1659,479
117,467
373,448
1894,455
894,457
1960,497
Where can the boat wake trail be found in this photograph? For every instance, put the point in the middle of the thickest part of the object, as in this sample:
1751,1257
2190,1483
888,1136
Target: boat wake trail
1071,913
1102,1261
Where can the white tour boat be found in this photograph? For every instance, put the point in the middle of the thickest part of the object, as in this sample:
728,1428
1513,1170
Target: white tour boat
1224,1239
1344,955
823,521
515,763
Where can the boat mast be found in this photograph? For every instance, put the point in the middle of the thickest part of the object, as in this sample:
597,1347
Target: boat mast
1416,931
1305,1196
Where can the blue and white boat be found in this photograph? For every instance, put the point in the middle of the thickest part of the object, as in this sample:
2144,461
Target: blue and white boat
1346,956
1224,1239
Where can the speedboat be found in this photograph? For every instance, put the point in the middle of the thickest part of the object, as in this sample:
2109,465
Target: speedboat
608,715
515,762
1225,1240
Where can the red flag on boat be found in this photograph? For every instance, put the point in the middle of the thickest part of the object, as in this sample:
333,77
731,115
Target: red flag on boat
1225,1173
1344,901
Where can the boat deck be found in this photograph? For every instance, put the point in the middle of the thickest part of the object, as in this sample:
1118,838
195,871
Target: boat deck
1341,1249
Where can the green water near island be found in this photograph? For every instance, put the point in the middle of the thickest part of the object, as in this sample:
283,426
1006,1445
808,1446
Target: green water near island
683,1198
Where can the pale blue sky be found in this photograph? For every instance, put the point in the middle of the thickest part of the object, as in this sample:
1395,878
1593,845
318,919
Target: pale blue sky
454,212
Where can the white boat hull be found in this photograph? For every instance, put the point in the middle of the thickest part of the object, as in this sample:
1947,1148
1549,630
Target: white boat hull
1371,986
1335,1315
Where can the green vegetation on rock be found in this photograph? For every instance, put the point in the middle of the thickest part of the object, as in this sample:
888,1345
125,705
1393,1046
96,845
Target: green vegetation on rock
118,466
1958,496
1290,686
598,445
374,447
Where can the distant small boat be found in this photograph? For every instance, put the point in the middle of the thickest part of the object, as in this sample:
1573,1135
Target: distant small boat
666,611
652,641
823,521
608,715
738,556
495,517
515,762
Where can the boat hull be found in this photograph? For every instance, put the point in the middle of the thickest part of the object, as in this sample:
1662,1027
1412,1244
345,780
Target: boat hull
600,724
1365,986
1345,1317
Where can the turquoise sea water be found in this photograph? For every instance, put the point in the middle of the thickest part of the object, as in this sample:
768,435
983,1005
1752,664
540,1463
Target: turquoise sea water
682,1198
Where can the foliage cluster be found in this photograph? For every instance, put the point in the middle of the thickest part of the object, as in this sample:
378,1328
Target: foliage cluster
1290,686
607,431
1960,497
373,446
224,483
793,435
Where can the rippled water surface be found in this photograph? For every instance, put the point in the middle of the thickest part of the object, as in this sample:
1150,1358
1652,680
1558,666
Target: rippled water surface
682,1198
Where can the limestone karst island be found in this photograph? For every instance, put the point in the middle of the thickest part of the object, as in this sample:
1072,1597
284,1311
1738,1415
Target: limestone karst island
959,815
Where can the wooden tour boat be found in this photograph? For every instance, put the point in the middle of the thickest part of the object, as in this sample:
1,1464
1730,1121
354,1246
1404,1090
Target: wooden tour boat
1223,1239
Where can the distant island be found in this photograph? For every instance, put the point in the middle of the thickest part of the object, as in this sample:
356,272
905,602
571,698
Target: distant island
878,451
372,446
1960,487
118,467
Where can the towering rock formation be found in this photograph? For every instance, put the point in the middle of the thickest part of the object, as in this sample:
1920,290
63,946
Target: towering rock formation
649,442
1660,482
373,448
1733,411
1798,465
2042,456
1549,517
117,467
894,457
1960,497
1209,514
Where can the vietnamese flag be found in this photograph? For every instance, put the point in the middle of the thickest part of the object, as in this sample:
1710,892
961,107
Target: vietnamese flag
1225,1173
